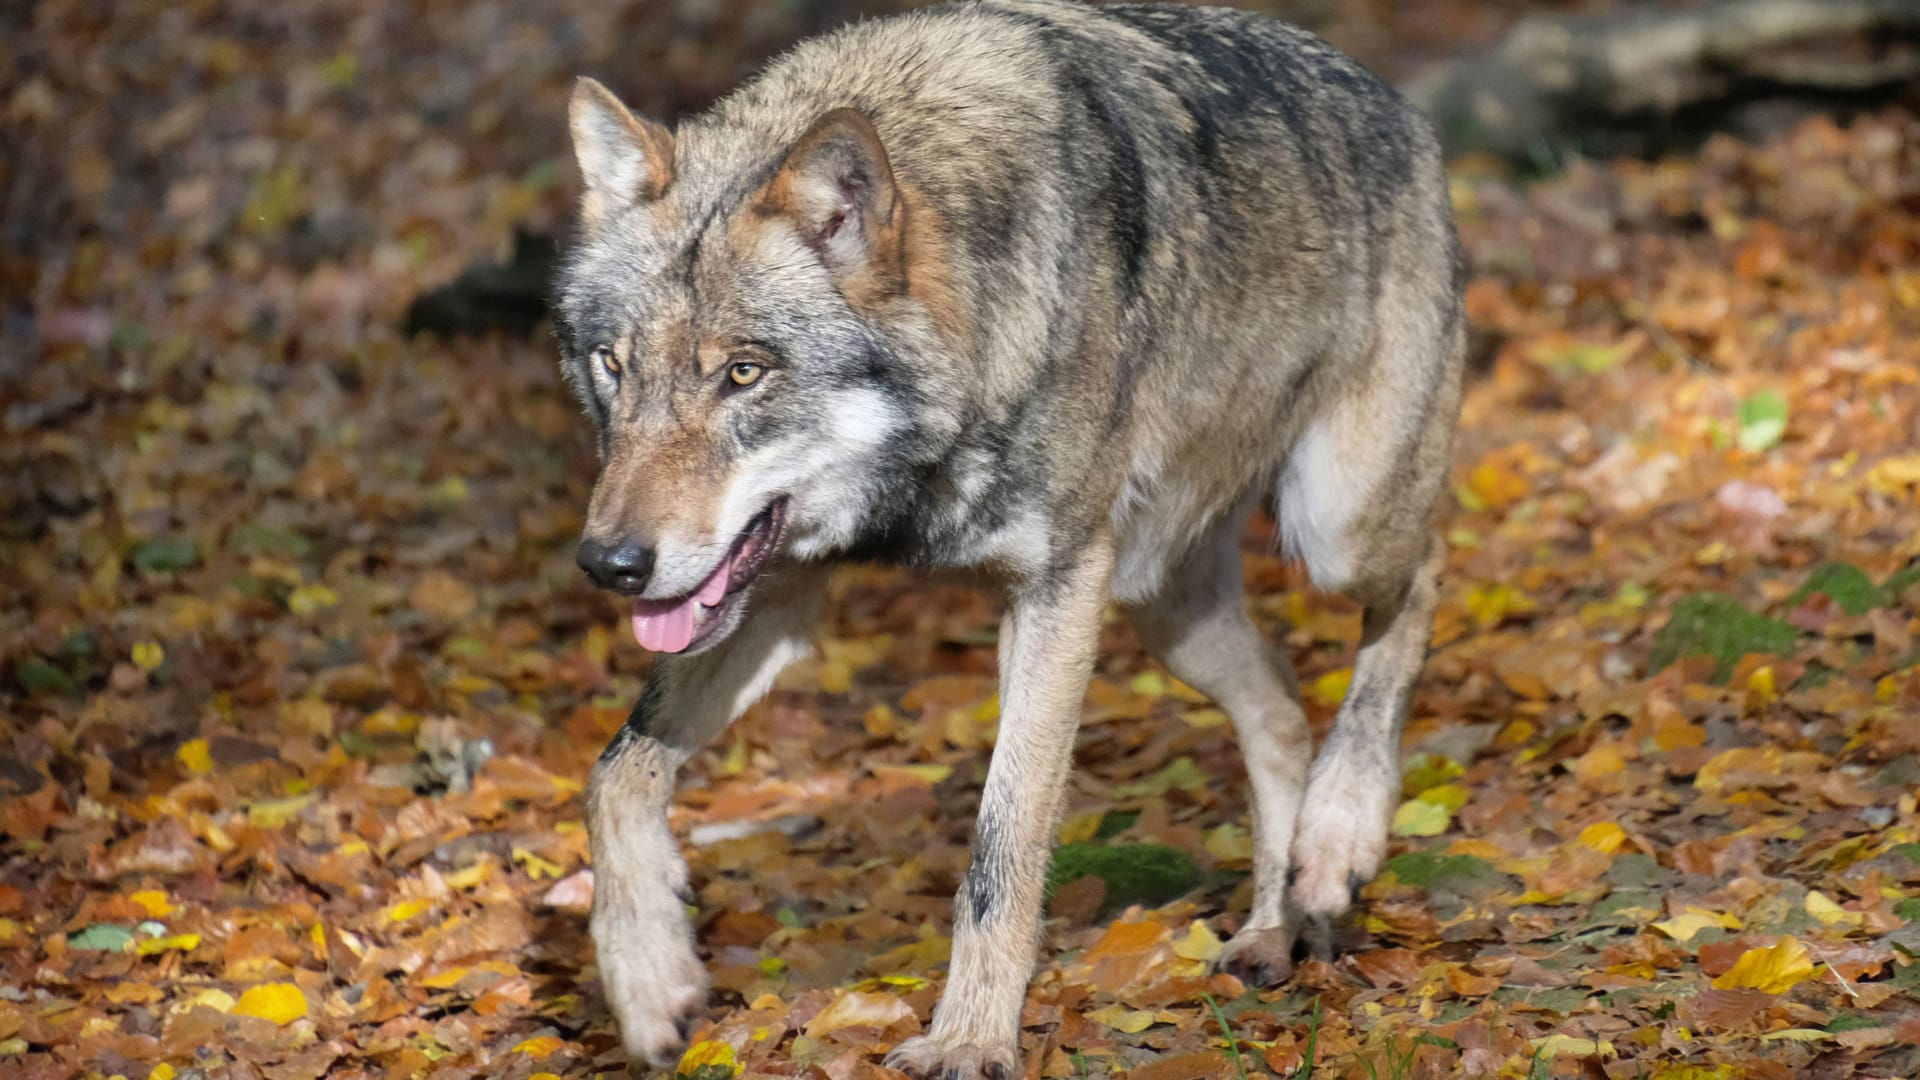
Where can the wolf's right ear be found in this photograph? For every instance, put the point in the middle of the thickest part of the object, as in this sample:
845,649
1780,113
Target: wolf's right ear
624,159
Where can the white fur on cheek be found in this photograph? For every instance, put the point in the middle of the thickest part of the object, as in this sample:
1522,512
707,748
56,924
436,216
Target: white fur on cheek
828,470
836,494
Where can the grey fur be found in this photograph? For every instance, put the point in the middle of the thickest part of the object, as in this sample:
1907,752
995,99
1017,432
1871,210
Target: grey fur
1054,294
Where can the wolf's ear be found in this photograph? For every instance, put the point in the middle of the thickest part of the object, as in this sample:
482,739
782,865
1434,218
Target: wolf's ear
623,158
836,188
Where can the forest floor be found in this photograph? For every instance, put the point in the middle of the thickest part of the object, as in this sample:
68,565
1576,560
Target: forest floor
301,683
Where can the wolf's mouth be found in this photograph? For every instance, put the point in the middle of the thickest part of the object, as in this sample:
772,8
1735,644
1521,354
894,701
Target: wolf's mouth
672,626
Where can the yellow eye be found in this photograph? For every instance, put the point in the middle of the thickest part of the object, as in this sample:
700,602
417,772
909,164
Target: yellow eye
744,373
607,360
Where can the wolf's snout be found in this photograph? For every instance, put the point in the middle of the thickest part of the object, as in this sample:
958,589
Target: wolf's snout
624,567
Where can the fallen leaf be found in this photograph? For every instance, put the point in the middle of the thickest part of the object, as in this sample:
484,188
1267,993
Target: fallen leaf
282,1003
854,1008
1771,969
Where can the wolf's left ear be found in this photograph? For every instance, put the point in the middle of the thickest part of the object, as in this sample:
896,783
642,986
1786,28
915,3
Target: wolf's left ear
836,187
624,159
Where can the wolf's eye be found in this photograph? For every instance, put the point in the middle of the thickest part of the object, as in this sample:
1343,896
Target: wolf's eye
605,358
744,373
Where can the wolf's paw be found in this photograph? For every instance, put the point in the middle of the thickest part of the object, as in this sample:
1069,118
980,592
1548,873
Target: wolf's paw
1341,837
653,981
931,1057
1259,956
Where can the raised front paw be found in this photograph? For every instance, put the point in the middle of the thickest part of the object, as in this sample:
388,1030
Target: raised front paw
932,1057
653,981
1341,838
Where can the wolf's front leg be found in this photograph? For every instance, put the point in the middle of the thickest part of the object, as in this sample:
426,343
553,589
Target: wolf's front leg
653,981
1047,644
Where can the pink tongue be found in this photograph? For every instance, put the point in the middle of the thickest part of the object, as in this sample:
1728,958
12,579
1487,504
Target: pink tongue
667,625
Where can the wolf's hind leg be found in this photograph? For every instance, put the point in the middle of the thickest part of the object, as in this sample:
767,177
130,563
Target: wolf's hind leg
651,977
1356,779
1198,627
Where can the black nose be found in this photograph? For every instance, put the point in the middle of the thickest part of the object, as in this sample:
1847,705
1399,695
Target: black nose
624,568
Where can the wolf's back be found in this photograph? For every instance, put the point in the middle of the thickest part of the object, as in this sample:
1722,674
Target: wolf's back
1116,144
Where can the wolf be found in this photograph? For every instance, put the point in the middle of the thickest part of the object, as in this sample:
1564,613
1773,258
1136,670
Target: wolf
1054,296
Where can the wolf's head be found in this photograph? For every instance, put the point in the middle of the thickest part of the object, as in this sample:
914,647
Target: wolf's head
716,321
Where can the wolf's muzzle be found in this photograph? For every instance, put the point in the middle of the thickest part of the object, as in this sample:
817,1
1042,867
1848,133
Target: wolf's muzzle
624,568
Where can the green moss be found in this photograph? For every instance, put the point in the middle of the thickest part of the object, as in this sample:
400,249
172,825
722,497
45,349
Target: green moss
1710,624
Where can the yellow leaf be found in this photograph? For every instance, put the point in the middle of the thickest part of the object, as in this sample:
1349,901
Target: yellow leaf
1821,907
1331,688
598,645
217,838
707,1052
1149,684
1489,604
539,1046
1183,692
274,813
1761,689
308,599
1773,969
926,774
1450,796
148,655
1122,1019
1554,1045
880,722
1889,476
1797,1035
390,721
154,901
217,1000
1198,943
836,677
1230,843
281,1003
1081,828
195,757
1604,837
1684,926
180,942
445,980
735,762
1418,817
408,909
1599,762
162,1071
1495,486
1204,718
1732,770
536,866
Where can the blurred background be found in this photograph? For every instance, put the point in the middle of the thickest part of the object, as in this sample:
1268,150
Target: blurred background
298,679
